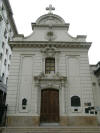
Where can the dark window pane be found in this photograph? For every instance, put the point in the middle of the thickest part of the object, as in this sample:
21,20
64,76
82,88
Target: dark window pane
75,101
86,110
24,101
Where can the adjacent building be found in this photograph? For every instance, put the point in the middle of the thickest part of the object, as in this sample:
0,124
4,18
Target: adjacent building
7,31
95,75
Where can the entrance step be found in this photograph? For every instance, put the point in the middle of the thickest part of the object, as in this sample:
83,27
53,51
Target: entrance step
49,124
52,129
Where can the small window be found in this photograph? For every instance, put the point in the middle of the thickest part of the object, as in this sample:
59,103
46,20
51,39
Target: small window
9,57
96,112
24,103
86,110
10,30
3,76
7,22
2,7
1,18
0,56
8,39
5,33
49,65
1,97
6,80
4,98
91,112
6,51
5,62
75,101
8,67
3,44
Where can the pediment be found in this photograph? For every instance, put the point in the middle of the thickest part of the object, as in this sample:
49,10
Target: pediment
51,27
50,19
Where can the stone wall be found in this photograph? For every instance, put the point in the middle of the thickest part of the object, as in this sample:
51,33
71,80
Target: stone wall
84,87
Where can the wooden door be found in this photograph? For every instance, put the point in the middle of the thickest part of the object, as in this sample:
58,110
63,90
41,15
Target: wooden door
49,106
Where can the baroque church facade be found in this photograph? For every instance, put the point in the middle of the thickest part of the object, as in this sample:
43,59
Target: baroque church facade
50,80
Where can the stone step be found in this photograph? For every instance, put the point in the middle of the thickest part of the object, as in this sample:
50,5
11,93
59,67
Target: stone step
50,130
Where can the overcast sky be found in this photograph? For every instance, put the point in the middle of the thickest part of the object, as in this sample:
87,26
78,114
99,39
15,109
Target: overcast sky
83,16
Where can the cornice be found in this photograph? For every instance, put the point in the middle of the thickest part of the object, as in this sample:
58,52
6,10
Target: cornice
50,15
43,44
66,25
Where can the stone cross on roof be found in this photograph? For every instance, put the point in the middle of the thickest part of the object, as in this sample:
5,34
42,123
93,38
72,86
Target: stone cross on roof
50,8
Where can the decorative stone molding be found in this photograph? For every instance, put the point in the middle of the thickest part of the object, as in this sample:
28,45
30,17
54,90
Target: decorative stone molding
50,81
47,18
55,44
56,76
50,35
49,51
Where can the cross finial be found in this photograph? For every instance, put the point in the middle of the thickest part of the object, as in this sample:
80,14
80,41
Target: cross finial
50,8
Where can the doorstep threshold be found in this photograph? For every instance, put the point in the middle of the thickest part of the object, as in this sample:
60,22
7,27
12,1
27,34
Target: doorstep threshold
49,124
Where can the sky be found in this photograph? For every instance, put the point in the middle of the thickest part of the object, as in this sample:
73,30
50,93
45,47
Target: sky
83,16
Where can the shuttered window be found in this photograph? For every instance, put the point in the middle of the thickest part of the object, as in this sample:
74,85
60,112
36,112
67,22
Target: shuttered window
49,65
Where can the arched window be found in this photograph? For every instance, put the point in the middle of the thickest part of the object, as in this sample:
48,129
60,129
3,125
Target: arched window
24,103
75,101
49,65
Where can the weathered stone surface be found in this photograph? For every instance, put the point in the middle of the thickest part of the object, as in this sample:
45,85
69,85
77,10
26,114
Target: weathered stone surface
20,121
51,129
78,121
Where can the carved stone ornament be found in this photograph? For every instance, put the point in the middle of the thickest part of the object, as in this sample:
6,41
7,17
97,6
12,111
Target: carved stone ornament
50,80
50,35
49,51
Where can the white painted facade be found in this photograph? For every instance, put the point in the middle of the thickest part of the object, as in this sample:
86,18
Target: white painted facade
27,72
7,31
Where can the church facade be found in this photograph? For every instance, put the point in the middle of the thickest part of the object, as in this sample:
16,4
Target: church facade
50,79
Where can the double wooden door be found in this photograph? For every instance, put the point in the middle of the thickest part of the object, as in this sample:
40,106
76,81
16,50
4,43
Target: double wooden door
49,106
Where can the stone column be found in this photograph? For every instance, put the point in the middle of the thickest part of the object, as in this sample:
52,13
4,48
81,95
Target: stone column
63,118
36,118
43,64
63,99
57,63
